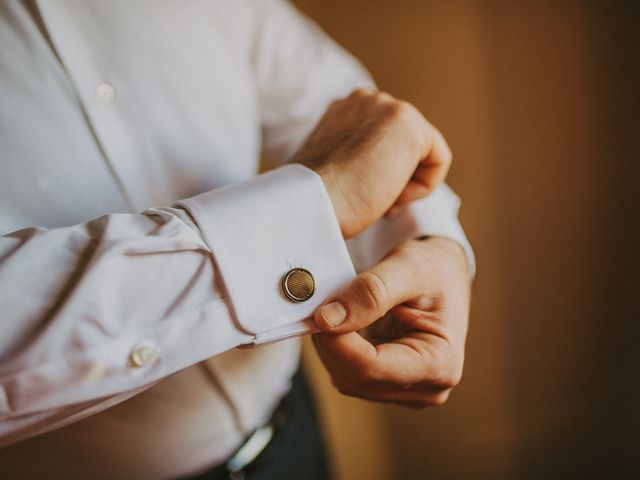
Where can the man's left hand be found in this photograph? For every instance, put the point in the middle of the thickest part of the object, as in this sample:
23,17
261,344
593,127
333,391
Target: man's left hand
416,305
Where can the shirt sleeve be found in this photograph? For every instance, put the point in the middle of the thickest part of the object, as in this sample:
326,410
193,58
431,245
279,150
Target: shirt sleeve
300,70
94,313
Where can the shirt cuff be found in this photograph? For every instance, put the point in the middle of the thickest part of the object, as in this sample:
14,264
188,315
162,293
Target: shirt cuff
260,230
435,215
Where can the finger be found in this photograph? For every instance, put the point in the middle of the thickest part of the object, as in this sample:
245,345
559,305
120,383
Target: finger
411,399
369,296
413,191
364,370
346,353
415,398
429,173
434,168
370,370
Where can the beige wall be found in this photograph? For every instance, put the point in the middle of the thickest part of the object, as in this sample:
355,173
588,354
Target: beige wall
529,95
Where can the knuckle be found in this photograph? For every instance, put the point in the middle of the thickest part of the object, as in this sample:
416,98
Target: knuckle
455,378
442,375
447,154
402,110
397,109
448,382
447,157
436,400
362,92
445,379
383,98
372,291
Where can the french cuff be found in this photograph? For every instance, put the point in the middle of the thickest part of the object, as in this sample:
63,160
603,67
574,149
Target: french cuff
435,216
262,229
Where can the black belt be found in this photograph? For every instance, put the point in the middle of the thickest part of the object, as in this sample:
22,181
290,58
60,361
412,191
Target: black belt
253,450
290,445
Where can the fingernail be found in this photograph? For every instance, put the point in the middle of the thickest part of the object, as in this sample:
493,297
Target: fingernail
333,313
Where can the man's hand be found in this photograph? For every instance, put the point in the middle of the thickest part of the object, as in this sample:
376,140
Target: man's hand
416,301
373,152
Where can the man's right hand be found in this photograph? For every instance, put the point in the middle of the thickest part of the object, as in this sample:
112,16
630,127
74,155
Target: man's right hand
374,152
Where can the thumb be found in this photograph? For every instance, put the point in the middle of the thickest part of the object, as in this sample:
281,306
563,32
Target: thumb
368,297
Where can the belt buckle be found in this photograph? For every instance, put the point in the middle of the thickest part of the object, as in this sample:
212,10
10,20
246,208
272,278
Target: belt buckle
249,451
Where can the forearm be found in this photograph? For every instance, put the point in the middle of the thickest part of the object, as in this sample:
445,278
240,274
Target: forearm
105,308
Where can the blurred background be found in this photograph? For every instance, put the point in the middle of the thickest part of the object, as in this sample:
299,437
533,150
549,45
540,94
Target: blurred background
540,103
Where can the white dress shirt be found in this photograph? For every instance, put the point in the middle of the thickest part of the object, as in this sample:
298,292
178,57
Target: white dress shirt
118,328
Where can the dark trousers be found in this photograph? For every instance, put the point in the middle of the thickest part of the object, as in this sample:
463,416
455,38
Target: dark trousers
297,451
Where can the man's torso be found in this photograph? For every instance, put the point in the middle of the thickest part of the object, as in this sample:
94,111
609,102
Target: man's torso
130,105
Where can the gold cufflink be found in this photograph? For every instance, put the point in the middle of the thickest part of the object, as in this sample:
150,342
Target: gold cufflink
298,285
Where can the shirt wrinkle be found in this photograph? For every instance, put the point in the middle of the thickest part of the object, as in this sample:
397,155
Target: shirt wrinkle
104,114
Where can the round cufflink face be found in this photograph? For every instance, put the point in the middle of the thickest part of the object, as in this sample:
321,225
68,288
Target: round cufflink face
298,285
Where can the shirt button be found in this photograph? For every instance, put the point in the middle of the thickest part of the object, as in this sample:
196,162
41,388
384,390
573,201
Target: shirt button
298,285
105,93
143,356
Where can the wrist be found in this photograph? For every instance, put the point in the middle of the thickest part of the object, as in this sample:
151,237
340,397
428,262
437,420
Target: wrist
340,205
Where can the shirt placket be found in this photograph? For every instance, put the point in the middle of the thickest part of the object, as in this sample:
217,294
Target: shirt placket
85,58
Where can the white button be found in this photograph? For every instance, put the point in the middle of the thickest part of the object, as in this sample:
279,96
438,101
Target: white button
143,356
105,93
